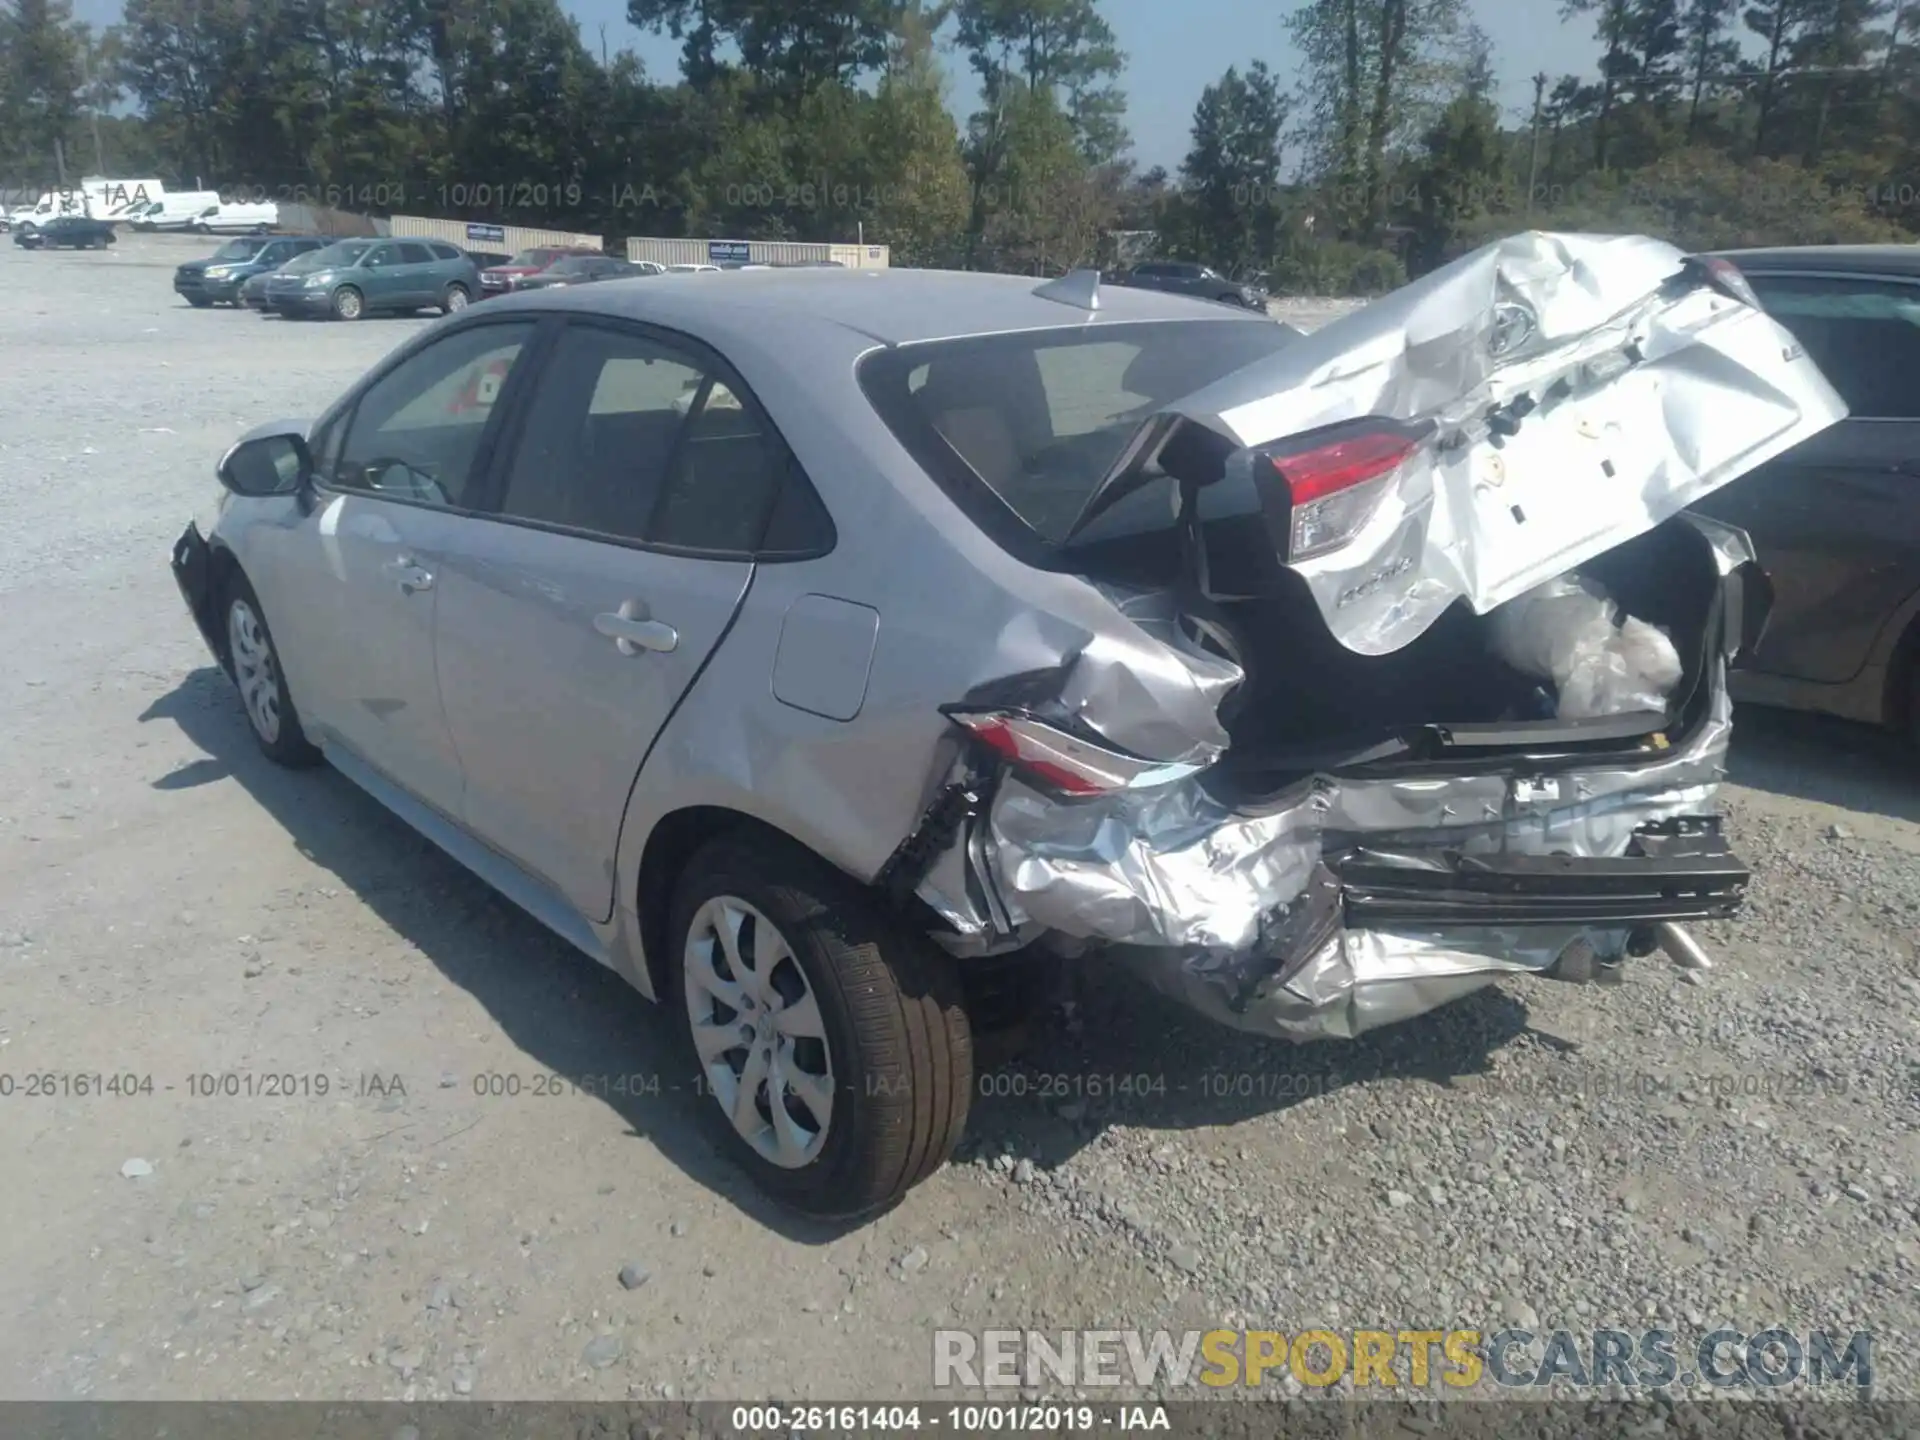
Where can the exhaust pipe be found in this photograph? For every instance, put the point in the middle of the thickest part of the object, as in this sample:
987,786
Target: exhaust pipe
1682,948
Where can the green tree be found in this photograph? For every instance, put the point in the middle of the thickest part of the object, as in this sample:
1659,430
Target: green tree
1460,181
41,76
1375,74
1064,46
1711,52
1232,171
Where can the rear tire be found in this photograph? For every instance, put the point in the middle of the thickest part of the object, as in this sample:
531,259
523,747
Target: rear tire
197,303
874,1034
456,298
254,665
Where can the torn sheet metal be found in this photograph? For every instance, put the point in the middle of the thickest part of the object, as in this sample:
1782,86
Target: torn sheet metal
1577,400
1208,901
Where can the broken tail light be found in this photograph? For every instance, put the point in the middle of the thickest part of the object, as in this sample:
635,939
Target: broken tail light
1722,275
1334,485
1061,762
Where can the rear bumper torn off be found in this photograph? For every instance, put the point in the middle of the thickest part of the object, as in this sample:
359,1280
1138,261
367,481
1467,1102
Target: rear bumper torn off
1358,902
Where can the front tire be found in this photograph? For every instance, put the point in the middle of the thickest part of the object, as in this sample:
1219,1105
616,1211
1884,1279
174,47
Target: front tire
254,664
456,298
348,303
199,303
832,1045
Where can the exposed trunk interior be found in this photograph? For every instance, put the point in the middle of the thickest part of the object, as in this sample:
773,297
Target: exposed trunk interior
1310,703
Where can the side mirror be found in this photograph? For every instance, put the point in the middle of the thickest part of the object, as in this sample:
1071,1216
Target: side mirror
267,465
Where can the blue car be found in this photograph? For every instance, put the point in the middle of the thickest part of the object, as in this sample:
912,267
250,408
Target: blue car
218,278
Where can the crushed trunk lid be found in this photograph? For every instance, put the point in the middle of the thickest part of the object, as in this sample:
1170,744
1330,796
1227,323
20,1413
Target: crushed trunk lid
1489,427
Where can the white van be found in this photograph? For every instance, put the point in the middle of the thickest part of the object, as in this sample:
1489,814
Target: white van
181,210
237,218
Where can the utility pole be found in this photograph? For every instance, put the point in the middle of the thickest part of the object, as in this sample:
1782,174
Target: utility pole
1533,165
60,161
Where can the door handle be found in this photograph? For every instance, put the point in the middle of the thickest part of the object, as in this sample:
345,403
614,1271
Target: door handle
409,576
632,632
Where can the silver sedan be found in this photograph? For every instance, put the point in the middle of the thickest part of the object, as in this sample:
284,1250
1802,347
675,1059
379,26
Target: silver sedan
826,650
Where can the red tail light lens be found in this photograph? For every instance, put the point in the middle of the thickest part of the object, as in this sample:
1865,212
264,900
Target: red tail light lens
1333,489
1063,762
1725,277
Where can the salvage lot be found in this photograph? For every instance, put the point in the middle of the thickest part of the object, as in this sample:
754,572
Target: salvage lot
1741,1150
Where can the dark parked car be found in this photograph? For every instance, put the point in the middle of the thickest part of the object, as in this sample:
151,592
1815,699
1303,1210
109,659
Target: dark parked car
1836,520
75,232
1184,277
219,278
583,270
353,278
503,279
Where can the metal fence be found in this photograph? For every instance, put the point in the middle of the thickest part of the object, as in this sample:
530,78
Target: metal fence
670,251
476,236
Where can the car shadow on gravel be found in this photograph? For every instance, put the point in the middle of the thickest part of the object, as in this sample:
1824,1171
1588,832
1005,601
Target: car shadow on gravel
567,1015
1826,760
1121,1054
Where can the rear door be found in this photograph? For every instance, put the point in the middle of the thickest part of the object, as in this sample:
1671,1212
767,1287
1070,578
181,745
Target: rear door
623,542
419,276
1836,521
382,276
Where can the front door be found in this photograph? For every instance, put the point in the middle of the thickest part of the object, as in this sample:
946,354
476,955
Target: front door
1836,520
569,630
367,565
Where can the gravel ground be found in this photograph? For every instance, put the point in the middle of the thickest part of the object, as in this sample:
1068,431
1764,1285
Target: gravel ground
1742,1149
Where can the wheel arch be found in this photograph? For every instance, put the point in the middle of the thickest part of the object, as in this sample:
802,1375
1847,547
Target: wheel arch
673,841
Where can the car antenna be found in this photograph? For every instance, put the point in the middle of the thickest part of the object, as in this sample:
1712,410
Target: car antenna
1079,288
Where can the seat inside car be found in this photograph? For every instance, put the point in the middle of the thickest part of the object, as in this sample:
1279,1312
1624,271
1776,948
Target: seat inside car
991,412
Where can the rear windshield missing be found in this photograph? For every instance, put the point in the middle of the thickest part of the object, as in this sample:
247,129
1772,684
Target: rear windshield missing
1030,422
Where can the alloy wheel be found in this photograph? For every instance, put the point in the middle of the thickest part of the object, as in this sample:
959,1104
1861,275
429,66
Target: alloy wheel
254,670
758,1032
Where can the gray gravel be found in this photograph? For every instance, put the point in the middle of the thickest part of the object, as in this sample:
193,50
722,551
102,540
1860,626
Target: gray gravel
1743,1149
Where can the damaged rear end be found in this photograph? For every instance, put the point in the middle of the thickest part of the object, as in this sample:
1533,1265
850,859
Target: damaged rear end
1425,682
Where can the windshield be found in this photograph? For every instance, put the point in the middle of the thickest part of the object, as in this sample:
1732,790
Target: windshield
571,265
325,258
531,259
239,250
1037,418
337,256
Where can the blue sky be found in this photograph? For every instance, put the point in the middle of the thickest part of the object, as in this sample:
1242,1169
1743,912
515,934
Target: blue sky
1174,47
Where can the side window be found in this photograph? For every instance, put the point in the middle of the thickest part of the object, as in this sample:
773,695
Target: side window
444,252
633,438
1863,334
600,432
726,475
415,434
415,255
381,257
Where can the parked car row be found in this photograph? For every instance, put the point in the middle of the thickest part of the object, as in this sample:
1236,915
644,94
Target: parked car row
313,275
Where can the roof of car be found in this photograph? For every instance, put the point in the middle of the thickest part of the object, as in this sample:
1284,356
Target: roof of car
1863,259
894,307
